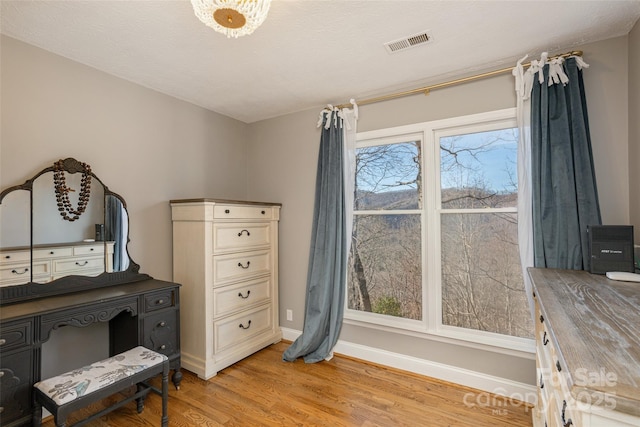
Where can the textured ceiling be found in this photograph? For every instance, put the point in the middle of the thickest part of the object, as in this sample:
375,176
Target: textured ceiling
307,53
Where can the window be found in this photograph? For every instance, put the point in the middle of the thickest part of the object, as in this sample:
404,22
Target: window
386,256
434,243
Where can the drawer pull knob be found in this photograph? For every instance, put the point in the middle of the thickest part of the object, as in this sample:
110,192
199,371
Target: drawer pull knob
83,264
14,271
242,296
7,257
240,265
263,212
160,301
2,341
163,347
91,249
51,253
227,211
558,367
541,318
247,231
545,340
162,324
565,422
245,327
1,374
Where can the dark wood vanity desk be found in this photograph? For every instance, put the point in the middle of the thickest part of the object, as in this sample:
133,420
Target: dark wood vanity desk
142,313
55,272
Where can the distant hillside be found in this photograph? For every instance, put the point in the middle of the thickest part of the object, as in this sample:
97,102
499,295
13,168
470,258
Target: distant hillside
402,199
460,198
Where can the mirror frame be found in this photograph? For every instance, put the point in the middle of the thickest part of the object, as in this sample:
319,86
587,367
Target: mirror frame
72,283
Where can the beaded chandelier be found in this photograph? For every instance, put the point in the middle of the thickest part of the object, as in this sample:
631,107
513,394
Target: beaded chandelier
233,18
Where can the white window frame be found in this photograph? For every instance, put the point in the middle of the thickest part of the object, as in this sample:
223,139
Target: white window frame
428,133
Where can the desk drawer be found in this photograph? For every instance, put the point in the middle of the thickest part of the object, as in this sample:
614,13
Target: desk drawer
159,300
161,332
15,335
15,383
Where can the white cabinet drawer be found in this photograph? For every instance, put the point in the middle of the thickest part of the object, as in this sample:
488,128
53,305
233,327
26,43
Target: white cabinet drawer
16,271
241,212
23,272
53,252
89,249
240,266
241,236
229,299
242,327
78,265
15,256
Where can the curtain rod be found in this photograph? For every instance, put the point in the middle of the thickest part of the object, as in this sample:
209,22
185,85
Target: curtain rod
428,89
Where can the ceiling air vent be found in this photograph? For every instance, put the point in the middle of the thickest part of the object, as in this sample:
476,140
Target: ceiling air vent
408,42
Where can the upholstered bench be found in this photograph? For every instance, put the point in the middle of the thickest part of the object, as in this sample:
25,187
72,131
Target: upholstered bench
76,389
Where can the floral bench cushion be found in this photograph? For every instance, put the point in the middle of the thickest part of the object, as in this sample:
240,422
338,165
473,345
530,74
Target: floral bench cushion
69,386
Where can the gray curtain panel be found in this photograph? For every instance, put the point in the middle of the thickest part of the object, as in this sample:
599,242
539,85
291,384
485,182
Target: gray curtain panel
113,230
326,276
565,197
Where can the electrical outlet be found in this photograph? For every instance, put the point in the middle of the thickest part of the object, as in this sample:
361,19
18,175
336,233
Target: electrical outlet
289,315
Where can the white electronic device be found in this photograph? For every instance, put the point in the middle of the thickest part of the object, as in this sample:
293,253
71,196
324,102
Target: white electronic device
623,276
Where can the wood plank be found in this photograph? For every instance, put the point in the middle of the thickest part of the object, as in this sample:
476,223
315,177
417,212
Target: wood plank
595,326
262,390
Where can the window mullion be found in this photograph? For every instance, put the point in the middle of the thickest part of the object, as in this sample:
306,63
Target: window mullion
432,232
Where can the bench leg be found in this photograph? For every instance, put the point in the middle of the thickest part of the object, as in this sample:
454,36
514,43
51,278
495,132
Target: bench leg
60,421
36,418
165,394
140,400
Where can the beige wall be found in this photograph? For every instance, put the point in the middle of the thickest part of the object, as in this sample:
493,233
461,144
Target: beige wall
145,146
634,129
282,167
606,85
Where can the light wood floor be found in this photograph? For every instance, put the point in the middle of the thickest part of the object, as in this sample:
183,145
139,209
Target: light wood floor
261,390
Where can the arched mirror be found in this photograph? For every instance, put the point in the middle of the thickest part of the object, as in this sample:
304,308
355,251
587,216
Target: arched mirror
62,230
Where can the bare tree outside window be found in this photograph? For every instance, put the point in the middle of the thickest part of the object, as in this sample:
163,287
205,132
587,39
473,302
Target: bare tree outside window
482,285
481,278
385,264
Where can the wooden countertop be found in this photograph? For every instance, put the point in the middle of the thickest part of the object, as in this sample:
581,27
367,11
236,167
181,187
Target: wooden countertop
595,324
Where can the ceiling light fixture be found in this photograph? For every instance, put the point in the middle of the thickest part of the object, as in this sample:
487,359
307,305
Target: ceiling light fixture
233,18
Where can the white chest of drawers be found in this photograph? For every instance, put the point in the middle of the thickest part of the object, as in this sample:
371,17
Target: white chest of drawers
52,261
225,256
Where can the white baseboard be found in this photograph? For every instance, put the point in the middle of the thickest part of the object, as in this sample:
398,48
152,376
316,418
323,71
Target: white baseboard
478,380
